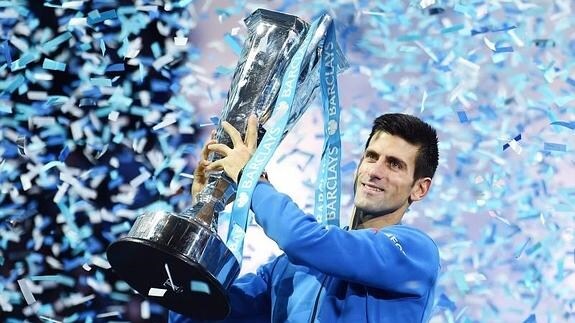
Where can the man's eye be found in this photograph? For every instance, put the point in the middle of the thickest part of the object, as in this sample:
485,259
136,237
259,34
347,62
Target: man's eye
395,165
370,156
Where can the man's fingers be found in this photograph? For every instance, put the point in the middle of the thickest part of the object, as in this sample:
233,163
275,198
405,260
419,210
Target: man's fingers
220,148
205,150
252,132
217,165
233,133
199,171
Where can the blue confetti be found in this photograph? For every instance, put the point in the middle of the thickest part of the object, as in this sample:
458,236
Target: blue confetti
24,60
100,81
520,251
530,319
544,43
452,29
504,49
102,47
53,44
115,68
570,125
491,29
233,43
548,146
53,65
64,153
6,52
156,50
15,83
445,302
95,17
223,71
462,117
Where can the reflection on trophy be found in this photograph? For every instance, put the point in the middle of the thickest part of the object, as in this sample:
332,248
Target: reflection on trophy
178,260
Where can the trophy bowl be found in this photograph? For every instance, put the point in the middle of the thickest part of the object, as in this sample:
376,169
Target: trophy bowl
178,262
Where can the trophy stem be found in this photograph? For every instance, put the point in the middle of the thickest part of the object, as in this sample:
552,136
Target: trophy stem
213,199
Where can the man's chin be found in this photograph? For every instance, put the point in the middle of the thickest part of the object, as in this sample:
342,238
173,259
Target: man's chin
374,208
366,209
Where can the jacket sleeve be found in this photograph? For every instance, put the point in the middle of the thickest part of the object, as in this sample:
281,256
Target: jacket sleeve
249,298
397,258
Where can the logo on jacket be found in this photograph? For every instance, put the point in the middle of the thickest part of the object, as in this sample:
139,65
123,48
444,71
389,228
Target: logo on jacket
395,241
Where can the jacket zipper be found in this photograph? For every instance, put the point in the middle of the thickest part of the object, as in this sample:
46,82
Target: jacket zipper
316,303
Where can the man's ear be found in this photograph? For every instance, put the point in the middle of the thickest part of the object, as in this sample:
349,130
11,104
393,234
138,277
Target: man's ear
420,189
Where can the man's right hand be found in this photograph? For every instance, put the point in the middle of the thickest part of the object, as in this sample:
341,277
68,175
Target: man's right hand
200,174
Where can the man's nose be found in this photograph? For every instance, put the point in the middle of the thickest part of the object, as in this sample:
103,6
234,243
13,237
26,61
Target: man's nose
376,170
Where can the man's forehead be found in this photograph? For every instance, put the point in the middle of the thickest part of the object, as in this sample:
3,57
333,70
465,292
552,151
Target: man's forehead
394,145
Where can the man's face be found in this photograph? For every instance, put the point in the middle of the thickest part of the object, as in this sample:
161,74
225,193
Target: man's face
385,175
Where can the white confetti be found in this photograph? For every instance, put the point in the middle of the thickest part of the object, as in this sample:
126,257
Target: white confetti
426,3
113,115
108,314
515,146
100,262
26,182
157,292
145,310
140,179
180,41
169,120
162,61
48,319
25,288
489,44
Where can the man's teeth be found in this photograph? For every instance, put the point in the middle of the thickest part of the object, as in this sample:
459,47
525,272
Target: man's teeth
373,188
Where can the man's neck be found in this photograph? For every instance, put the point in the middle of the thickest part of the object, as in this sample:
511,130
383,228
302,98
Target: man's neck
364,221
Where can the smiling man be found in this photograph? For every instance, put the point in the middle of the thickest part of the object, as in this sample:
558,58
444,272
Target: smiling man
380,271
397,166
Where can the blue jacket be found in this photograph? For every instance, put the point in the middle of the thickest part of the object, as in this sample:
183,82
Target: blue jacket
333,275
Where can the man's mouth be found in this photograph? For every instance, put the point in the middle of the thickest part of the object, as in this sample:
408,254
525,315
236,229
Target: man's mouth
370,187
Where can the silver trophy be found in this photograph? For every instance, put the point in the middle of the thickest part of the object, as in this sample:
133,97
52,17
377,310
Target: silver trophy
178,260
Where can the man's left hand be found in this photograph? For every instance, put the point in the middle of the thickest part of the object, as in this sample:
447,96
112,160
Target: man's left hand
235,159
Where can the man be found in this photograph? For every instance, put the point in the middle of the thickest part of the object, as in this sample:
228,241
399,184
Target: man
381,271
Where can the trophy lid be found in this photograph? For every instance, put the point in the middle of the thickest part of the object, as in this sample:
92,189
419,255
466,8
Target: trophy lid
277,18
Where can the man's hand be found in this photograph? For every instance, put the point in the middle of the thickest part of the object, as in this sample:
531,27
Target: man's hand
200,174
237,157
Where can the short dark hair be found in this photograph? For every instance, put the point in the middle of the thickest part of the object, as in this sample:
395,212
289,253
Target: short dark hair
416,132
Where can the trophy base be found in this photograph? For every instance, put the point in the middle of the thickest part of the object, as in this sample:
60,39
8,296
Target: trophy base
191,291
177,262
